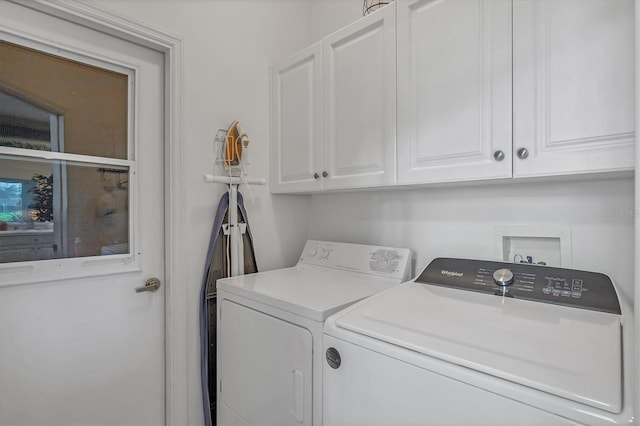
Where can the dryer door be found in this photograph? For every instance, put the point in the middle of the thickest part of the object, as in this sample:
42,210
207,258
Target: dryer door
264,368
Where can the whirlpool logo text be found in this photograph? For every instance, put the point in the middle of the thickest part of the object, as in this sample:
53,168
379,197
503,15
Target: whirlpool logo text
451,273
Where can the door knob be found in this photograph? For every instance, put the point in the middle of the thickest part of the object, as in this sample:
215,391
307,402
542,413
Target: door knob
316,176
498,155
152,284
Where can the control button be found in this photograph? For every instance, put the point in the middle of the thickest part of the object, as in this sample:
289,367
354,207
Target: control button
324,254
576,285
576,294
385,261
566,293
556,292
312,251
546,290
503,277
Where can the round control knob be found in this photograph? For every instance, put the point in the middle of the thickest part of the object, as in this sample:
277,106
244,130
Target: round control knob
312,251
503,277
324,254
383,261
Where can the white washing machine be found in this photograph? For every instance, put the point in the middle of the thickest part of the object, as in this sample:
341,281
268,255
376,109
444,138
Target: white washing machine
269,339
483,343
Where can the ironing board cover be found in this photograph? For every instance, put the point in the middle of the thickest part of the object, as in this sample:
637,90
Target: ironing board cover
215,268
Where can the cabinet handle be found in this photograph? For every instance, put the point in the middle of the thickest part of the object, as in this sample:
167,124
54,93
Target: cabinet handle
523,153
498,155
325,174
316,176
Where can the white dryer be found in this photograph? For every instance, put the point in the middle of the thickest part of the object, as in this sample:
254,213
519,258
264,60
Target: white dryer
483,343
269,338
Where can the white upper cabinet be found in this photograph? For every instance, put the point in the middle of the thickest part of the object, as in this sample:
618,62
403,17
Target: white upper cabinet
360,103
333,110
486,89
296,122
454,90
574,86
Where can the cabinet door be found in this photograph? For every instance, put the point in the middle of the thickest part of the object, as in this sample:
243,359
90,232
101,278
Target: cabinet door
574,86
296,138
360,103
454,90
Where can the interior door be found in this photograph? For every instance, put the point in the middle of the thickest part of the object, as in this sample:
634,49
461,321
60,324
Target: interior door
78,344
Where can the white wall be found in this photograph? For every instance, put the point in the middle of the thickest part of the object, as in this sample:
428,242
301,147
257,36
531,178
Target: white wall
327,16
228,46
460,221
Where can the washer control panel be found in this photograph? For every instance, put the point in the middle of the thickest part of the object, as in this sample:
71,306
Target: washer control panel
569,287
389,262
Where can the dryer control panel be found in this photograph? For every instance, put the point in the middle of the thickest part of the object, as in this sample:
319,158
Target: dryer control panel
568,287
390,262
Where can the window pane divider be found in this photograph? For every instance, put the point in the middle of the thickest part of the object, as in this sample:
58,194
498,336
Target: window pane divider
63,156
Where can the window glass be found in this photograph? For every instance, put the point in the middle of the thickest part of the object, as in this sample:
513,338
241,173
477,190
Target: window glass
35,86
24,125
64,156
36,196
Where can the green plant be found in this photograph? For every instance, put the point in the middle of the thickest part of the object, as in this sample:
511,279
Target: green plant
10,216
43,198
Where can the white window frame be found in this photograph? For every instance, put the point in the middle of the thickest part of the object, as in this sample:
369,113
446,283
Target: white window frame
31,272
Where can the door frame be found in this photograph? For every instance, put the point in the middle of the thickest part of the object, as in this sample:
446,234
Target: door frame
175,296
636,301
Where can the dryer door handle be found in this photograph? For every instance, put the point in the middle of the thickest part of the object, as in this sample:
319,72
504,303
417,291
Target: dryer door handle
298,395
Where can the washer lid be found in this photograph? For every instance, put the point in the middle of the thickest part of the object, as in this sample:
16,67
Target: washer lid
310,291
569,352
